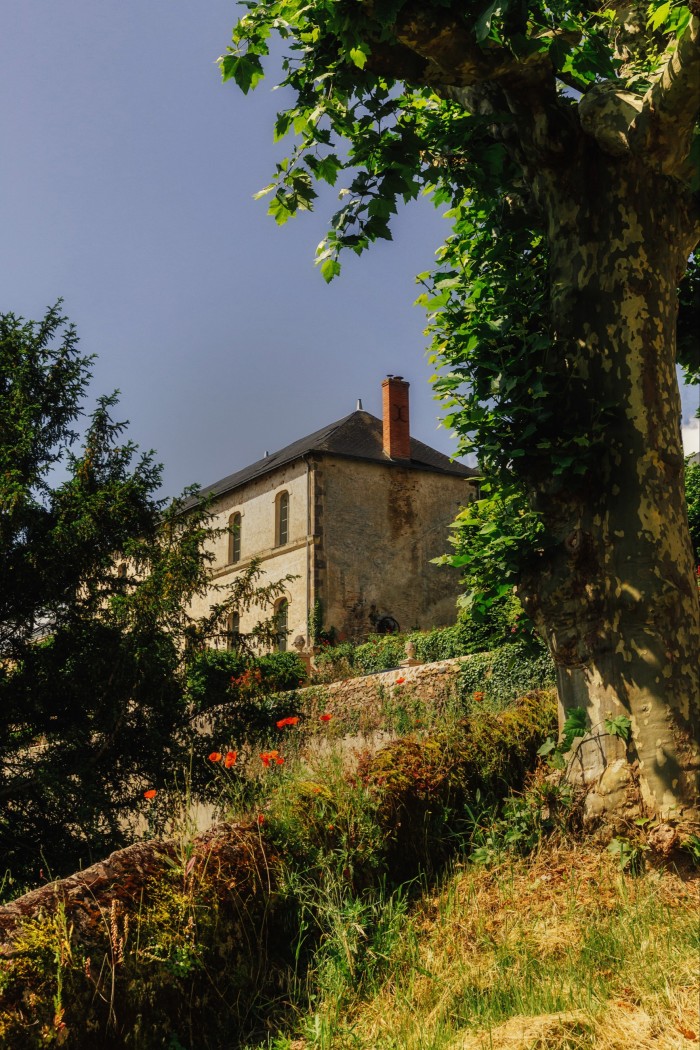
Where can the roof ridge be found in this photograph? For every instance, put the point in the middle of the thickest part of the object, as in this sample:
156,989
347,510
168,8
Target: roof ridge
365,442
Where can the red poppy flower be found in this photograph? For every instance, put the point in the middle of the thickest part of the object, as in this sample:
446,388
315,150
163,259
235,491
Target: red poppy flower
400,681
289,721
261,818
279,761
215,756
326,717
478,697
230,759
265,758
151,793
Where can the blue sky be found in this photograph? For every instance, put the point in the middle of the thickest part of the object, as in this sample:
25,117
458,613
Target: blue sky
127,177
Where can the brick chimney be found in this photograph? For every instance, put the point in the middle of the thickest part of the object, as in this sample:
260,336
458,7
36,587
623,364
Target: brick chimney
397,436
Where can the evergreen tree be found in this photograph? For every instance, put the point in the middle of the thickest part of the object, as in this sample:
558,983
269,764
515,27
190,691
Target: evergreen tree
98,573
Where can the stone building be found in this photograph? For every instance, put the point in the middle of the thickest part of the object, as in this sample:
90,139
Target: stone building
356,511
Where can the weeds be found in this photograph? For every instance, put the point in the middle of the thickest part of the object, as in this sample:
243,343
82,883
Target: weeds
556,950
415,897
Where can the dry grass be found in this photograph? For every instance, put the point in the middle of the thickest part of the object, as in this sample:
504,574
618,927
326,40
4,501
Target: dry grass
560,951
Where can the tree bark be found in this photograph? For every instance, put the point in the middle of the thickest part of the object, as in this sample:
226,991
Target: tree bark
616,599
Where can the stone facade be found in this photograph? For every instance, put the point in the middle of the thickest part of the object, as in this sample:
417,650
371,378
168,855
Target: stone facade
256,504
379,528
362,529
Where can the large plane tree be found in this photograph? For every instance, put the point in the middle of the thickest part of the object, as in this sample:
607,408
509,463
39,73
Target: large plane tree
562,137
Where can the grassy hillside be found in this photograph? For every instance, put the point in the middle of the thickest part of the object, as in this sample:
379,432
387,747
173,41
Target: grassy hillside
560,950
431,893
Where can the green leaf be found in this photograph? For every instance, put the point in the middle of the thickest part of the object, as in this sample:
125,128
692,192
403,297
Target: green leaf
330,268
659,16
264,192
620,726
358,56
575,725
246,70
282,125
483,23
328,168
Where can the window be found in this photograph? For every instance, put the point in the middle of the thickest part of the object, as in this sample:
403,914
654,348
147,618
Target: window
233,629
234,539
282,622
282,519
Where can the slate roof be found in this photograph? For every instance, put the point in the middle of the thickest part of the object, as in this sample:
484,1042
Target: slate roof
357,436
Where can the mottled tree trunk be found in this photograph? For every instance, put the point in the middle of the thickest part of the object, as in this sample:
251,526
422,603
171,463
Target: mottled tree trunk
617,600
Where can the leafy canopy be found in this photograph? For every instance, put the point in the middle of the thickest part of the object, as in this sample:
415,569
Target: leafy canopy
392,99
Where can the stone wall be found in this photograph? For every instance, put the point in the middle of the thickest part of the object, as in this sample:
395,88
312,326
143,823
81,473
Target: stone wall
363,698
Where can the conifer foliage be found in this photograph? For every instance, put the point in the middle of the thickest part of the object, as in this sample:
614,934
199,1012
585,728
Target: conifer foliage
95,635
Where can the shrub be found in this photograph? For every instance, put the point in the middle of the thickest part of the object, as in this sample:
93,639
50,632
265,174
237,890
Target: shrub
218,676
384,652
692,498
474,632
507,672
427,787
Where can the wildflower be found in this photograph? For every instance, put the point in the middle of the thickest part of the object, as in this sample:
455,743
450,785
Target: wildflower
215,756
151,793
400,681
230,759
261,818
325,718
270,756
289,721
279,760
478,697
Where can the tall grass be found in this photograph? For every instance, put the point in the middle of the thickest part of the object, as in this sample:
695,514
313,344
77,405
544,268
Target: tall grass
560,950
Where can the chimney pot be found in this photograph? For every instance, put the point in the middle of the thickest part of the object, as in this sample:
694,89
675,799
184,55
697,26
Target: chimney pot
397,434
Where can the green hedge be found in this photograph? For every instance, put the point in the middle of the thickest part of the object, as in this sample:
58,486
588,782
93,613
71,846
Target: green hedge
502,673
505,673
387,651
210,675
384,652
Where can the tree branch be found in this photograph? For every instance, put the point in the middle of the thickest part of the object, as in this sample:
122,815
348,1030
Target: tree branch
664,128
433,48
453,57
